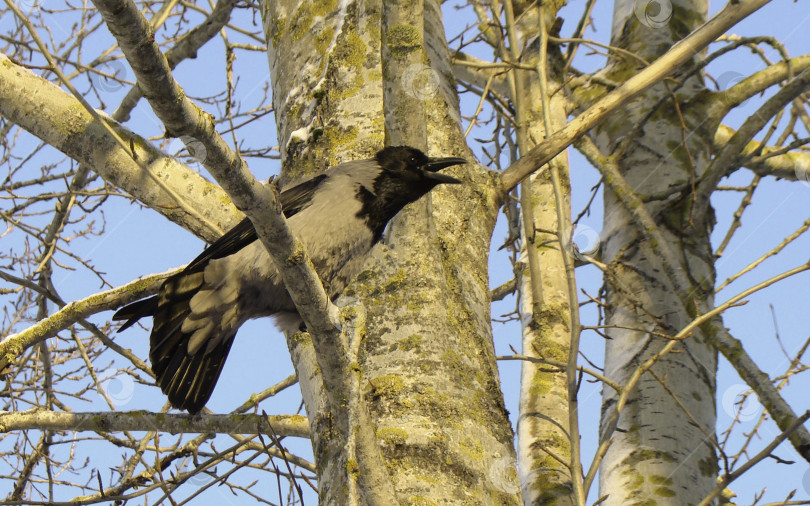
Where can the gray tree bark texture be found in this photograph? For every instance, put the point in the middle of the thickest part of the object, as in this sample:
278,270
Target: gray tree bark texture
660,453
427,361
543,429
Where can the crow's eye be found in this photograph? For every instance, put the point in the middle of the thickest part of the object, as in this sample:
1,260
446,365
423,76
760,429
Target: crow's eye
412,159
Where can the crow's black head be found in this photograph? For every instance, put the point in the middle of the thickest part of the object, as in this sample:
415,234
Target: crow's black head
413,167
406,175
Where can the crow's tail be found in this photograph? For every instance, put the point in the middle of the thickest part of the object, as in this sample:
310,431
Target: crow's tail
186,377
135,311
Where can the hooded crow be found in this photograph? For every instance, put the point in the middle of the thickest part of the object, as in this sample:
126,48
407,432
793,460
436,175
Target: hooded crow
338,215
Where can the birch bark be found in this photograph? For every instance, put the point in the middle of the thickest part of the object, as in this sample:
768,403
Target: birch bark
662,449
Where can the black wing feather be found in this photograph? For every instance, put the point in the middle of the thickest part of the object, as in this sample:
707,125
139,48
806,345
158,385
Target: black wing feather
188,380
232,241
135,311
293,200
297,197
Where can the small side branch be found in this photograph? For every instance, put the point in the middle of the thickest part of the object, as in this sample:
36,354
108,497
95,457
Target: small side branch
725,480
14,345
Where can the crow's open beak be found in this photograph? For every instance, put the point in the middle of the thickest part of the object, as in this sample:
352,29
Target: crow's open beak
436,164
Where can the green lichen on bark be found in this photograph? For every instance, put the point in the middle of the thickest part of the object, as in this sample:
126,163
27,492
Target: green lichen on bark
302,338
323,39
392,436
75,120
644,454
459,368
323,7
277,29
418,500
664,492
301,21
472,448
550,484
340,137
413,341
664,485
389,385
403,40
633,479
352,52
632,434
708,466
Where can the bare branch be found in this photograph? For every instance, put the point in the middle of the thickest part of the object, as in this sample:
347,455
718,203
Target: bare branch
731,14
723,162
13,345
283,425
724,481
59,119
792,166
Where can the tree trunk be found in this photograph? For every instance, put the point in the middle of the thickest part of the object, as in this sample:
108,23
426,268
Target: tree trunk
427,360
661,449
543,428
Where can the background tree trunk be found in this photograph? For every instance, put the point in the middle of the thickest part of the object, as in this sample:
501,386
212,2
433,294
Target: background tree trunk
662,448
543,429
